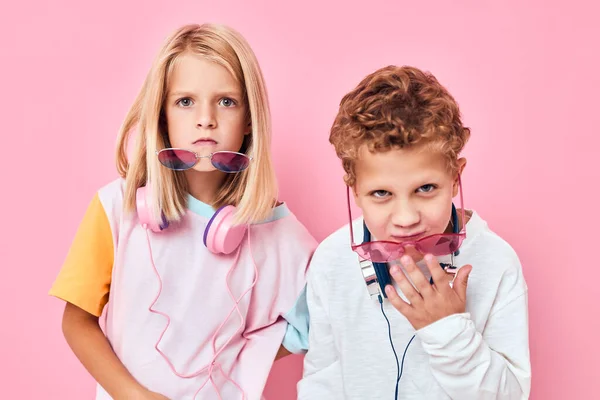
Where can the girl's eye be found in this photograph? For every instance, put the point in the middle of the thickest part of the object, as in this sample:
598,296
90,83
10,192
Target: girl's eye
185,102
426,188
227,102
380,194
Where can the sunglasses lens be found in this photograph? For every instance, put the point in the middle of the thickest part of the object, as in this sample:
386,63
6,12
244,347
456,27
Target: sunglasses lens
178,160
441,245
230,162
383,252
379,252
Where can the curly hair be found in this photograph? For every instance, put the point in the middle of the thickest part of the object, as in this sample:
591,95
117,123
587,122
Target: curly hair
397,107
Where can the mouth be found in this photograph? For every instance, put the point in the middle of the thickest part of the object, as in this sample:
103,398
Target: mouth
407,238
206,141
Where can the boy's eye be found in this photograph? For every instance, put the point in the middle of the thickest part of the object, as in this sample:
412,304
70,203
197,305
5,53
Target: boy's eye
426,188
380,194
185,102
227,102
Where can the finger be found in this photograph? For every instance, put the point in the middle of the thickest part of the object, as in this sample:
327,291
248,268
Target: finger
416,276
403,307
404,284
441,278
461,280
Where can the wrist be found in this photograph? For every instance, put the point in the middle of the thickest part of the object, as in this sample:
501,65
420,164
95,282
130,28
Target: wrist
443,331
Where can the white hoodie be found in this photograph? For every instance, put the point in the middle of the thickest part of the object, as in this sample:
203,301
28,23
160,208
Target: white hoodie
481,354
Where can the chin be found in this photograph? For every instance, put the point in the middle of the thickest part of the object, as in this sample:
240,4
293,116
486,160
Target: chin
204,166
198,169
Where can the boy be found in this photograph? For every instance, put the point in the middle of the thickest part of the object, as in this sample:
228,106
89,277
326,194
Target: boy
399,134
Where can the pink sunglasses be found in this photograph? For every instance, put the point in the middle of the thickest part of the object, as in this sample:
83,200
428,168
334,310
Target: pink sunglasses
181,160
440,244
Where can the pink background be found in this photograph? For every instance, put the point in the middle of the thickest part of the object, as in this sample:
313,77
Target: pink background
526,76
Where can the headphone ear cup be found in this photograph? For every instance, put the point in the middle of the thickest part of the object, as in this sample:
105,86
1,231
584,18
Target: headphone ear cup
143,201
221,236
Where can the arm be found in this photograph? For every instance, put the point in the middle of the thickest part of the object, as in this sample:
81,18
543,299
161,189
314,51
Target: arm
468,364
492,365
295,340
84,284
322,375
86,339
282,352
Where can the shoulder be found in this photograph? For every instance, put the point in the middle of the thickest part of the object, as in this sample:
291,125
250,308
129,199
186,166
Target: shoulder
111,196
339,239
283,225
483,242
112,191
335,250
494,260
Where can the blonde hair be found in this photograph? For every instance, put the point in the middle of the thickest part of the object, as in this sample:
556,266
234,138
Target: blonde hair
253,191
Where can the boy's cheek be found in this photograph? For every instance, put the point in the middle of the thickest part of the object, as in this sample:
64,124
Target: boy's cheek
376,225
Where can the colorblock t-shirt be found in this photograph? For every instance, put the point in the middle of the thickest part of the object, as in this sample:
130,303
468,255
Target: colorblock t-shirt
218,320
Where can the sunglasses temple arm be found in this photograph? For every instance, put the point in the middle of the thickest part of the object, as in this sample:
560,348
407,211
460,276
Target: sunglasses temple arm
462,205
350,216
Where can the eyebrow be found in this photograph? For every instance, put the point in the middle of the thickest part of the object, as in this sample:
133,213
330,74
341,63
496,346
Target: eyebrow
224,93
179,93
389,186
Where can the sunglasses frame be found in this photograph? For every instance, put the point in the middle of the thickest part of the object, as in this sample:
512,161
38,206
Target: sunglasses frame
209,156
462,234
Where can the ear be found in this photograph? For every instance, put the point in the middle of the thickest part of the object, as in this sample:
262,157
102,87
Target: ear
462,163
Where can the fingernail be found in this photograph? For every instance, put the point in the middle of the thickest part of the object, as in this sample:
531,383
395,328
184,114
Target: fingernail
405,260
428,257
394,270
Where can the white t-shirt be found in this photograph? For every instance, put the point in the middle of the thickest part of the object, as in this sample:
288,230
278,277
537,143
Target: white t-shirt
481,354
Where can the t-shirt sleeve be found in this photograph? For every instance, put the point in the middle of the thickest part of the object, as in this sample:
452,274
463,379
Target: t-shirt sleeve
84,279
296,333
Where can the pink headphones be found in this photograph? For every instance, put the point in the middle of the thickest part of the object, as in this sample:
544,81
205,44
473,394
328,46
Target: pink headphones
221,236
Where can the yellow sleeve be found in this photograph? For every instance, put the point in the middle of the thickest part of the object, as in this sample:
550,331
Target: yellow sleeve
84,279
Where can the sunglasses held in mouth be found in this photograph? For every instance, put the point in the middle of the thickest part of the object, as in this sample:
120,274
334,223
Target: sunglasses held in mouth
181,160
440,244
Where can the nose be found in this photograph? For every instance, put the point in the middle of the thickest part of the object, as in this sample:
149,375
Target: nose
405,214
206,117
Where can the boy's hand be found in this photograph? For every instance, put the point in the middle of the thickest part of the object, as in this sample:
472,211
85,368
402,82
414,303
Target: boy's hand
429,303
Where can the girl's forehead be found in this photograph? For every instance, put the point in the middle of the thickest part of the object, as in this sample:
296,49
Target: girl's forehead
193,73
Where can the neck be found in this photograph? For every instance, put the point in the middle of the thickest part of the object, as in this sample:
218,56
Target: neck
204,185
461,223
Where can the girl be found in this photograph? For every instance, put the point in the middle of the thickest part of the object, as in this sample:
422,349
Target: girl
196,269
